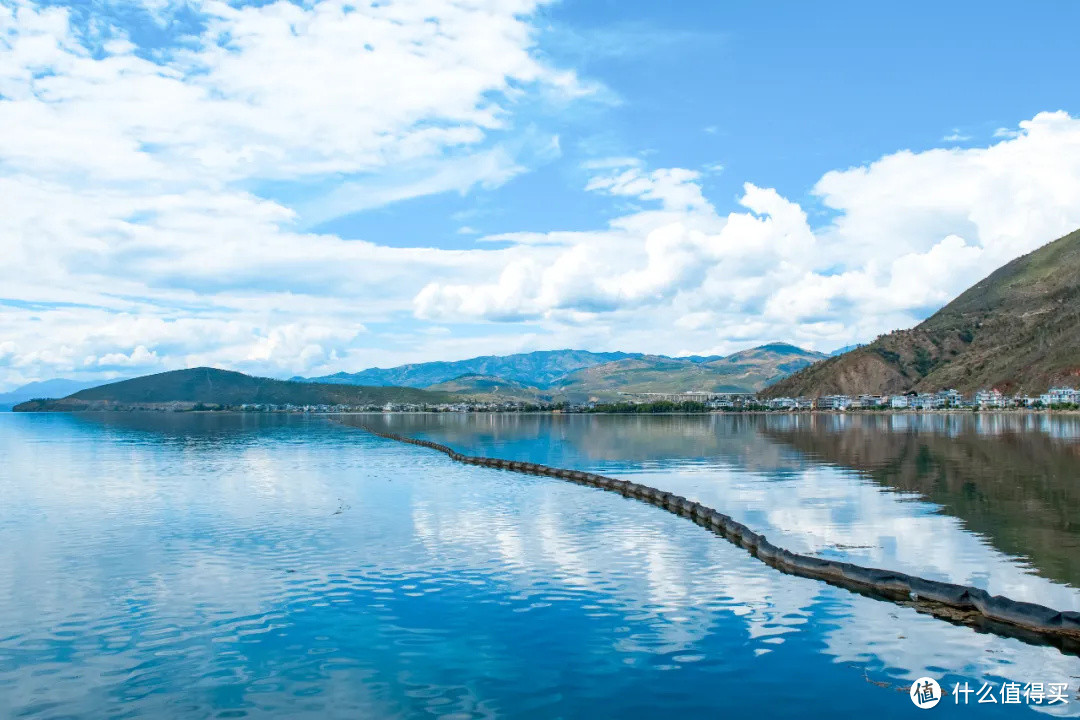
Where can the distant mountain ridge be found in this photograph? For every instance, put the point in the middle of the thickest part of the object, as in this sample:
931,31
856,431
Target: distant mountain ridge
56,387
745,371
1017,330
574,374
563,375
540,369
846,348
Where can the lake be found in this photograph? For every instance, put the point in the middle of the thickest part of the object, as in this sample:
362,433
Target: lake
262,565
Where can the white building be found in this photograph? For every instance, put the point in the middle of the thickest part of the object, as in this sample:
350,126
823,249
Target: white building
949,398
833,402
898,402
1061,396
990,398
922,401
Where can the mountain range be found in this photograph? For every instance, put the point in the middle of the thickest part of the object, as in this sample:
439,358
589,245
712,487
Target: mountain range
1017,330
745,371
578,374
546,376
538,369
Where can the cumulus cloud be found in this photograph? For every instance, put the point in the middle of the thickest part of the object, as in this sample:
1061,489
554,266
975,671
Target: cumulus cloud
139,357
910,232
265,90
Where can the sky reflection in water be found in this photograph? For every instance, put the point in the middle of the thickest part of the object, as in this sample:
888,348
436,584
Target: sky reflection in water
223,565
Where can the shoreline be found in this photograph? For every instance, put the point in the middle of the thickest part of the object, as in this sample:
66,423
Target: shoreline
849,412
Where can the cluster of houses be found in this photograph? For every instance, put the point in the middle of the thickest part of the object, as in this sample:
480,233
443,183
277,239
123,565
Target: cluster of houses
470,406
941,400
724,401
712,400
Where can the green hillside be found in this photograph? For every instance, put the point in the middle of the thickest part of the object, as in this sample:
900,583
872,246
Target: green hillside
211,386
1016,330
487,388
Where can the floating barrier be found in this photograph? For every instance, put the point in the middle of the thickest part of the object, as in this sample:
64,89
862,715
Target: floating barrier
959,604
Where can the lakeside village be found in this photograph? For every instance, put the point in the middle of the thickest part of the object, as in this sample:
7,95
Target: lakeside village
1065,398
1059,398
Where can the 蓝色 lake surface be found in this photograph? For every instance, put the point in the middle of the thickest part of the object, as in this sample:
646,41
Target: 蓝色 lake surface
231,565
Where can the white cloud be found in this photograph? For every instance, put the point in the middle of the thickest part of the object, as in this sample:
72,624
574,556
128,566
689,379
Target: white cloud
139,357
487,168
956,136
674,188
911,231
129,236
275,90
134,236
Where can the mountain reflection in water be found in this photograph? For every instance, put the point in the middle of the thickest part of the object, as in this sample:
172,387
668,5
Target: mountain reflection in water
226,565
1001,492
1011,478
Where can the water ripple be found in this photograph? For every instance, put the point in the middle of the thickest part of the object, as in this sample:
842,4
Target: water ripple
205,570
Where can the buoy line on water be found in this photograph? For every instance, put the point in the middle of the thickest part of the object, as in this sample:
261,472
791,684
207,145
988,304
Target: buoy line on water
959,604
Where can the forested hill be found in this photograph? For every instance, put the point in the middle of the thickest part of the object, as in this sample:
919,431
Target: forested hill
211,386
1016,330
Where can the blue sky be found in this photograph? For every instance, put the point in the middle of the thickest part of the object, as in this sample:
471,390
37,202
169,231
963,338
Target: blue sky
302,188
776,98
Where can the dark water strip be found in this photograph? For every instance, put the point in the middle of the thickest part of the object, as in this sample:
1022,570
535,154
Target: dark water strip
959,604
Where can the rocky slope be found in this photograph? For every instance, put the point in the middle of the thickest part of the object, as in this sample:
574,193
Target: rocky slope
1016,330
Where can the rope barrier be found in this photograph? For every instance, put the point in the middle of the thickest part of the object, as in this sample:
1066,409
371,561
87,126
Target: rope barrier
959,604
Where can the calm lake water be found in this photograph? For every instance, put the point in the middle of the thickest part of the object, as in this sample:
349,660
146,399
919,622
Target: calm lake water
227,565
